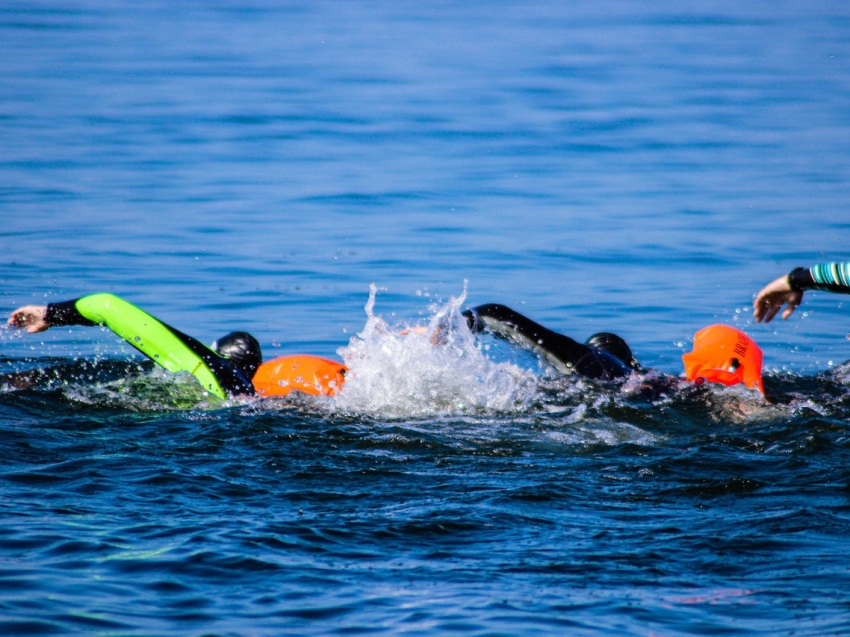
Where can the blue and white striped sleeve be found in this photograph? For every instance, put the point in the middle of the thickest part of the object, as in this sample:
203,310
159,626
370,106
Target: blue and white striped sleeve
832,277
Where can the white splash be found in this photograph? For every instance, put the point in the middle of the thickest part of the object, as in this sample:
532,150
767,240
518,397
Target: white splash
428,370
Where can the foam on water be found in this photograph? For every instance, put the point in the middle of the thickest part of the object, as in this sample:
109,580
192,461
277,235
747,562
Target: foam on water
429,371
601,431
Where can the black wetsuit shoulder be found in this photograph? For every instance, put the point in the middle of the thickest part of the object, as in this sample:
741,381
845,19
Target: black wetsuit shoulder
233,380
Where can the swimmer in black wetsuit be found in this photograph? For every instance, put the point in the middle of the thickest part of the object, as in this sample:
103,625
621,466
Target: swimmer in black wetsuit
604,356
225,370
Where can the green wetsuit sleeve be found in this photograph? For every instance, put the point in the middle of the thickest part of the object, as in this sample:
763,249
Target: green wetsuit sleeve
164,345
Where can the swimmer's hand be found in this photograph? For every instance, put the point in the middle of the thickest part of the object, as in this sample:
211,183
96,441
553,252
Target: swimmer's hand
30,317
416,329
770,300
437,338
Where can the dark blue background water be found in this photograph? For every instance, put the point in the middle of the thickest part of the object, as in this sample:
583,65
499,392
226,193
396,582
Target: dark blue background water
642,167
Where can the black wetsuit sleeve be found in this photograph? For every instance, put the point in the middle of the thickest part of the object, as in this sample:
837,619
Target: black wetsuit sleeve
65,313
559,349
509,323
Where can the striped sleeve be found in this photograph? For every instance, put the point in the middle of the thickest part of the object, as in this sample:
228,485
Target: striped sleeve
832,277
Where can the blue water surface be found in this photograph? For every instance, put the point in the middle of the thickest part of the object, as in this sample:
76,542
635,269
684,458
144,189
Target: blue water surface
638,167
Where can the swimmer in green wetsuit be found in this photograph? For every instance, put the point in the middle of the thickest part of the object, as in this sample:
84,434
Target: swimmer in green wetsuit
225,370
788,289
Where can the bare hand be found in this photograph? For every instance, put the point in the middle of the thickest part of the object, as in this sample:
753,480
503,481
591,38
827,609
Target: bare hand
771,299
437,338
30,317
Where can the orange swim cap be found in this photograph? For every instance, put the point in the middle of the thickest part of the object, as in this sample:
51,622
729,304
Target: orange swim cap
723,354
309,374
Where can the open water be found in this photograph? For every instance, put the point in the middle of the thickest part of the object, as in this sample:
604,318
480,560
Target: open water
639,167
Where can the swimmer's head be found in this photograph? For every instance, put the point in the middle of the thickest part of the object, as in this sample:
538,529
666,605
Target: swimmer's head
614,345
242,350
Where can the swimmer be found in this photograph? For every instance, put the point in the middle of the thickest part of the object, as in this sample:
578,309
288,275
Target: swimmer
232,366
225,369
721,354
788,289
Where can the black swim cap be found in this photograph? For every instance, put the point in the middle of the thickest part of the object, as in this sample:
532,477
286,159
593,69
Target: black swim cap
613,344
240,349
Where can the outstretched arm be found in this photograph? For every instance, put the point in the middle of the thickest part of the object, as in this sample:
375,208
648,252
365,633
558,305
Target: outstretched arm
831,277
564,353
163,344
558,349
